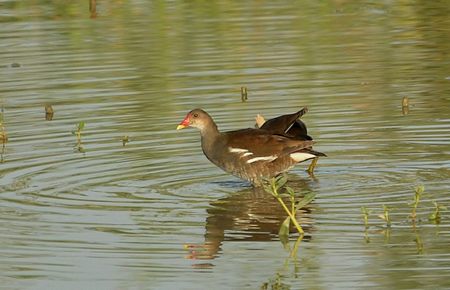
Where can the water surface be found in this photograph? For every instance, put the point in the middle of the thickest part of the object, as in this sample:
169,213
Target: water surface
119,217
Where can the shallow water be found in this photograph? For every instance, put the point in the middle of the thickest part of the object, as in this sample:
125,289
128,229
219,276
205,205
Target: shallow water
119,217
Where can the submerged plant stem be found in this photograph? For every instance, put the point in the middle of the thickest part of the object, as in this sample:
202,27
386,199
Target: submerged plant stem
273,187
291,215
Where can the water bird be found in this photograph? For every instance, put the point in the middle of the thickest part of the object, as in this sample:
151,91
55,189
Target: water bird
250,154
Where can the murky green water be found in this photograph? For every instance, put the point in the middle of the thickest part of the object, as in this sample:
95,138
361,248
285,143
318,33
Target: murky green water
118,217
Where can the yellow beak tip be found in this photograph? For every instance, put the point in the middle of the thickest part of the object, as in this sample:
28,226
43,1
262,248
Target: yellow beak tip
179,127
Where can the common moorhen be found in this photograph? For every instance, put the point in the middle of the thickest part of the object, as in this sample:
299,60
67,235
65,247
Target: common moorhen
290,126
250,154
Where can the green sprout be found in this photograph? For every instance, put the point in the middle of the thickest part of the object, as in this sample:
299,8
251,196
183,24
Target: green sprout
244,96
273,187
77,132
385,216
365,213
125,139
417,196
436,215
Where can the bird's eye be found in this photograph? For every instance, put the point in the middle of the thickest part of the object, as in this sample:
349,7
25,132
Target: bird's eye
195,115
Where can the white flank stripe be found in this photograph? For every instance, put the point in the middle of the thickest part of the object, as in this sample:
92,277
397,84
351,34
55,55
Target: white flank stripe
263,158
237,150
299,157
247,154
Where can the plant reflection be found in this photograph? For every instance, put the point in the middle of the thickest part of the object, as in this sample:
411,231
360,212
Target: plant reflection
247,215
2,151
277,281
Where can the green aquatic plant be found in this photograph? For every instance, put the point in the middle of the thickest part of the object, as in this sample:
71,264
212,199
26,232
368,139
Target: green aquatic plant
78,132
277,187
436,215
244,96
415,203
385,216
125,139
365,213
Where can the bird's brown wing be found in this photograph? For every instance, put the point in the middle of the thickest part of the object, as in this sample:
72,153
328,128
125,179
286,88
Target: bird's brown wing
260,143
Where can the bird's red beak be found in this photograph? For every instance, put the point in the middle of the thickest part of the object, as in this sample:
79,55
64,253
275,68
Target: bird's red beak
184,123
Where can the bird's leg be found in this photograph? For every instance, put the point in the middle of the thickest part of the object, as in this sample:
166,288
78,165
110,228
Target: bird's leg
312,166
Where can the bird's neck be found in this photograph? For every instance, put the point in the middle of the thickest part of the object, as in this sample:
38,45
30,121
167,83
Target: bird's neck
210,134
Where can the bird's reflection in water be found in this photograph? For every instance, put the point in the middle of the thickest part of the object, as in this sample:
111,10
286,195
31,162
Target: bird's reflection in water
250,214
